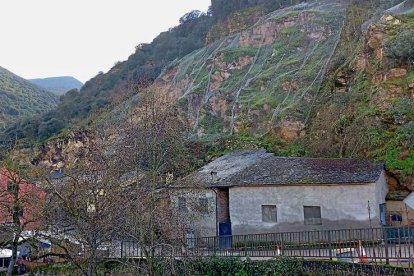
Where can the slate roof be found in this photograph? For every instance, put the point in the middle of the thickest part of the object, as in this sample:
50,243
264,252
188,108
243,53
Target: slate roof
258,167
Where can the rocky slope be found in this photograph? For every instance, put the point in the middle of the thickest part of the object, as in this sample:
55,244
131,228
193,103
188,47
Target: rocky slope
261,79
317,79
369,111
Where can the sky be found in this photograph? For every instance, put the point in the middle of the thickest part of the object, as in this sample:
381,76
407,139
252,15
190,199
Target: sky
49,38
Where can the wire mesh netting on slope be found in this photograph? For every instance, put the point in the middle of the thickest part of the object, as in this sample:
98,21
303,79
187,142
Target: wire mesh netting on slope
262,76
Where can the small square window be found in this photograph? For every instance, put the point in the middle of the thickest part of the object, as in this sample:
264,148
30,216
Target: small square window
269,213
203,205
312,215
182,205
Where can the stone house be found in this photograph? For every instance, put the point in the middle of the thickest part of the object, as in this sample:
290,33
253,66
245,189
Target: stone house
400,204
246,192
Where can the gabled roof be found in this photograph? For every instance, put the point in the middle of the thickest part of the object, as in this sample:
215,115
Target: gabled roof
258,167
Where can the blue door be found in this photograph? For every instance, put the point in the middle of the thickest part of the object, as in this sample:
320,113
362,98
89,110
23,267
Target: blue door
225,239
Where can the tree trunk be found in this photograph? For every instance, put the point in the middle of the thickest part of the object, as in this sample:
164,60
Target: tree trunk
13,258
16,222
92,262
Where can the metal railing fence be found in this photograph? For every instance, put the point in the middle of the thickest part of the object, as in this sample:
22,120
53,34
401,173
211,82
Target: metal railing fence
390,245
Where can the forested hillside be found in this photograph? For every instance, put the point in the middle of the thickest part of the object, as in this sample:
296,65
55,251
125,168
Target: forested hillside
19,99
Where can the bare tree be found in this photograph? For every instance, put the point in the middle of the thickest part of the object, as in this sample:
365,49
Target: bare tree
21,203
119,191
86,207
153,147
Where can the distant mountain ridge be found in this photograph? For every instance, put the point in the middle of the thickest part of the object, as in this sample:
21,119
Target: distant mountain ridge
58,85
20,98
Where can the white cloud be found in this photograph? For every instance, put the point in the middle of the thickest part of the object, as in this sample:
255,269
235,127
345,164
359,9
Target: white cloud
46,38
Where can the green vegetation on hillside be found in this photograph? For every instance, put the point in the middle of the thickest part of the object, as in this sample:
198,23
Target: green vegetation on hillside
375,116
19,99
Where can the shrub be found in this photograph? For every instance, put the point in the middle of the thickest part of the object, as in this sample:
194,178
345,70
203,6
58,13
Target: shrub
234,266
401,48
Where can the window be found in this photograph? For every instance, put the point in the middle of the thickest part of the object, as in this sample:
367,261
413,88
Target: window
203,205
394,218
182,205
312,215
269,213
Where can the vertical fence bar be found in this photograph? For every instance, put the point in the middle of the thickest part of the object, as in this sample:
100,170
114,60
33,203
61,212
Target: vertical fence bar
387,256
410,237
282,246
330,245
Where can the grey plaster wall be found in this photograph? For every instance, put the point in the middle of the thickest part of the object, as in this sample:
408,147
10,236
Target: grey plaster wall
204,225
342,206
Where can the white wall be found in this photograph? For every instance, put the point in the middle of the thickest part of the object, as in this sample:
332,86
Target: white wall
342,206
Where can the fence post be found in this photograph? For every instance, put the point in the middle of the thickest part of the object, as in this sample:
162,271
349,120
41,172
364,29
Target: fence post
245,245
330,245
122,248
385,234
215,243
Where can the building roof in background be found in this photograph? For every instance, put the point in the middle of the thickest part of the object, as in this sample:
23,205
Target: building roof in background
257,167
397,195
409,200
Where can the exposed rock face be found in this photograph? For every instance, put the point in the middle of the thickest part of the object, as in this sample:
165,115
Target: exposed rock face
396,73
64,152
290,131
341,82
267,33
219,105
252,80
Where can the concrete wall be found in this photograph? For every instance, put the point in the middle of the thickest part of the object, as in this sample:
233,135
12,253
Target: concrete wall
204,225
342,206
